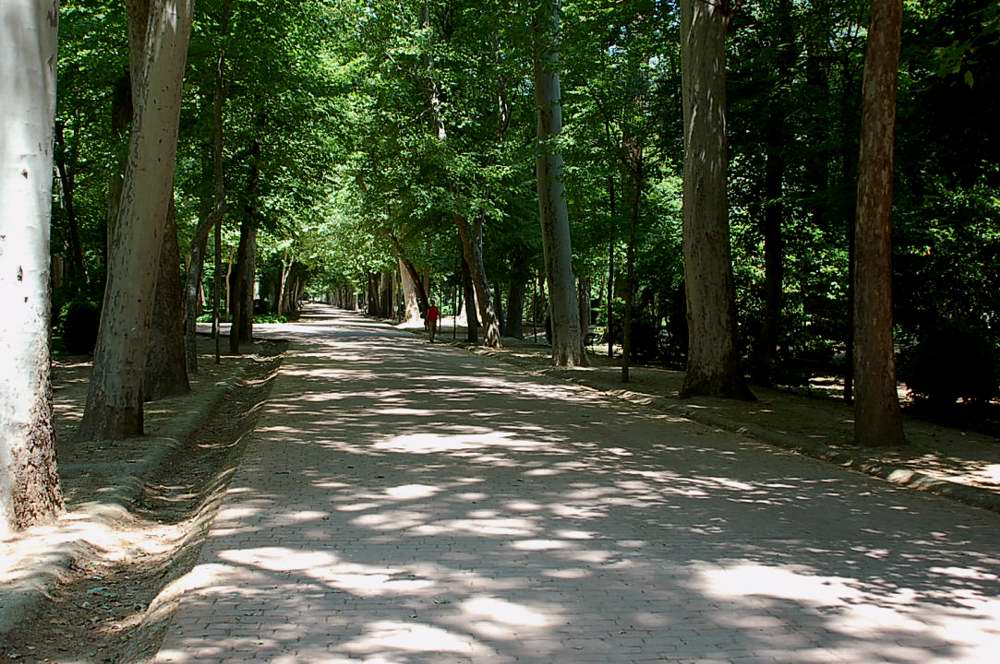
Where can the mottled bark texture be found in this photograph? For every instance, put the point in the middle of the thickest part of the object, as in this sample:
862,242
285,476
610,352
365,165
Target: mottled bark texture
877,419
114,401
29,483
567,340
166,365
713,360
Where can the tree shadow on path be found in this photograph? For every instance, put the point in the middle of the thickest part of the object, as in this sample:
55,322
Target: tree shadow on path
403,503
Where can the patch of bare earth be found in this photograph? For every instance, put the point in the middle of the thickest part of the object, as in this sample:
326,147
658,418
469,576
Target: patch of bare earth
109,608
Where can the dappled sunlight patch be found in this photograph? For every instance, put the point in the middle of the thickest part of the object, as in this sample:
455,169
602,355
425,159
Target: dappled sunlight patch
540,545
492,527
543,472
432,443
786,582
407,637
279,559
391,520
412,491
505,612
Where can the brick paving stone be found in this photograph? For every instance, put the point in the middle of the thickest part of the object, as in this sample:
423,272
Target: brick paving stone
401,503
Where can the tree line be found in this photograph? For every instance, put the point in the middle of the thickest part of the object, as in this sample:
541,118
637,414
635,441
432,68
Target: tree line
715,185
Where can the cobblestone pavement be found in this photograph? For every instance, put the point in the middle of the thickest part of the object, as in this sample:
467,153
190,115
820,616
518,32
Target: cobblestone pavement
402,503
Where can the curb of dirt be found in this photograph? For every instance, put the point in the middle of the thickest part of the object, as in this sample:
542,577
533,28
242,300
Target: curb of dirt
43,571
903,477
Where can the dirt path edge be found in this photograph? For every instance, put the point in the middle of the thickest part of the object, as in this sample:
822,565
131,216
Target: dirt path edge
42,572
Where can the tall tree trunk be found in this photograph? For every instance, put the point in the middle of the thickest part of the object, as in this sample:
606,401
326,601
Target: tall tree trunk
877,419
519,276
241,281
247,287
166,365
498,308
613,226
567,340
193,286
848,207
199,242
281,301
406,267
411,299
217,294
469,292
633,223
713,366
114,400
471,235
29,482
584,287
241,299
68,186
373,306
773,251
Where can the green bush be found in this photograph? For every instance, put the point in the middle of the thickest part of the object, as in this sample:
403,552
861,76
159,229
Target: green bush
956,359
79,320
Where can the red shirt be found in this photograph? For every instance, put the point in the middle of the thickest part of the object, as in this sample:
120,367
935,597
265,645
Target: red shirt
433,314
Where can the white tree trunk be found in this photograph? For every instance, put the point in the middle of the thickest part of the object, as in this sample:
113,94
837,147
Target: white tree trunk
409,294
567,342
29,484
114,402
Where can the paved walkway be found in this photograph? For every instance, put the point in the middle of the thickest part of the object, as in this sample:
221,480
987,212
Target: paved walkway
402,503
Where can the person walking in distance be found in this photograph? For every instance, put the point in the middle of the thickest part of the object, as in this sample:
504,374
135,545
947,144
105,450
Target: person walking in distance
431,320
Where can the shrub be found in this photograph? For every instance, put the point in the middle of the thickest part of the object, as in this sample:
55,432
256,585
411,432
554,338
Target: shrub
955,359
80,319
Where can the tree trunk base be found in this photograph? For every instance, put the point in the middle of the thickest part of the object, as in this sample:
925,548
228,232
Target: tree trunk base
727,387
103,421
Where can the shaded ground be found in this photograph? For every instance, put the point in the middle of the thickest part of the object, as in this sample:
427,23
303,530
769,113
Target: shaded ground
101,609
821,427
403,503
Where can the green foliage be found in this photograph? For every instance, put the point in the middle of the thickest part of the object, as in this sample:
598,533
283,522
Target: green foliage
378,121
955,359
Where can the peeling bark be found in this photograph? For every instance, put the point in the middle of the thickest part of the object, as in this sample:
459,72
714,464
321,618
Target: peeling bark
29,482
